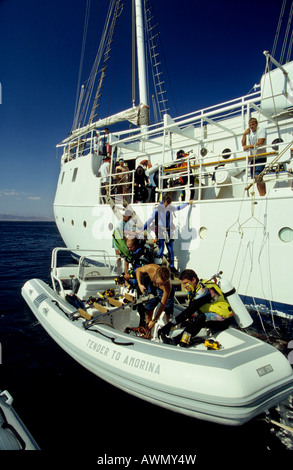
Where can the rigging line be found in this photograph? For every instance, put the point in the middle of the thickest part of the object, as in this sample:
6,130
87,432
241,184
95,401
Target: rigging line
286,34
89,83
85,30
261,320
289,48
267,72
278,28
147,42
237,256
165,62
271,287
240,230
255,305
149,15
91,80
261,97
274,103
115,61
265,248
108,39
228,231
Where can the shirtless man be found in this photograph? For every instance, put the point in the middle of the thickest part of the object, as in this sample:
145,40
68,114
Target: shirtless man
158,284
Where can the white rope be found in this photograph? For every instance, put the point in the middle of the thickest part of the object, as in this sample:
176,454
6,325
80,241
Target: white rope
229,230
286,34
99,55
89,84
85,29
261,320
278,28
289,48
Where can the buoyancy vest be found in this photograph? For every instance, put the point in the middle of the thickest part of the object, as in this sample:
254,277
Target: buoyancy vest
141,256
219,304
120,244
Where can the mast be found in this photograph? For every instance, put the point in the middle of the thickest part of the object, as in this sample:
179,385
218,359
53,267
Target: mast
141,61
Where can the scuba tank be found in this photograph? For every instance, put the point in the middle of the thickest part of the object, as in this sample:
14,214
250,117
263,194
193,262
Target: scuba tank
185,340
240,312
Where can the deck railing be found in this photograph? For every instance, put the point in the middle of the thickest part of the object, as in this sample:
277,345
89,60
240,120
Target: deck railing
201,174
206,127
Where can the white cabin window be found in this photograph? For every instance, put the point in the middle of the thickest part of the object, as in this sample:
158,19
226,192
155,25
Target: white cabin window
74,174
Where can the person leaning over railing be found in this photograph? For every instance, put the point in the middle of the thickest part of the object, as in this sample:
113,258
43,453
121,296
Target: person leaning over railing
256,138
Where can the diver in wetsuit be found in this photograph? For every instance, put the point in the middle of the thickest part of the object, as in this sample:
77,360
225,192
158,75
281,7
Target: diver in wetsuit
206,304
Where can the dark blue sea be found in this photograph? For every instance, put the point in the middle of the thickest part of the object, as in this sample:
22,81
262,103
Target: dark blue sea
72,414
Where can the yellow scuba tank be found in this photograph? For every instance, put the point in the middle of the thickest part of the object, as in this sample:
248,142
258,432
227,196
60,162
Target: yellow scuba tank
185,340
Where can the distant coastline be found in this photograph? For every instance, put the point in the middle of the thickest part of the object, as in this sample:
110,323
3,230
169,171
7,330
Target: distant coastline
17,218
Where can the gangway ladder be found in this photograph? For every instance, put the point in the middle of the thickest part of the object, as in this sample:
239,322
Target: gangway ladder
159,84
99,92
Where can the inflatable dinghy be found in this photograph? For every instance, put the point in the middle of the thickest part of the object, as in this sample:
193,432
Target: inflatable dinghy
227,377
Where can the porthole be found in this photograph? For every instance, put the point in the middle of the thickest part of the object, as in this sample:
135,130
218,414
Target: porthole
286,234
63,219
110,226
84,223
203,152
72,222
203,232
226,153
276,141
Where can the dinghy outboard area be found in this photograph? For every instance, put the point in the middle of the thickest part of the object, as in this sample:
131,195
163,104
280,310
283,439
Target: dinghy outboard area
225,376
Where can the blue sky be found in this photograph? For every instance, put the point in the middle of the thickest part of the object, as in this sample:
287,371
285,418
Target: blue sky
213,50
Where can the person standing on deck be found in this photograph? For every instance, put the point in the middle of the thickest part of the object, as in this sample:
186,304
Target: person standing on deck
256,138
106,148
105,176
